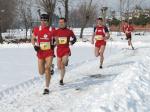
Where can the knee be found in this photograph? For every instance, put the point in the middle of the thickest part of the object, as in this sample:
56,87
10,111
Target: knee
59,66
101,55
41,72
63,66
97,54
129,43
47,69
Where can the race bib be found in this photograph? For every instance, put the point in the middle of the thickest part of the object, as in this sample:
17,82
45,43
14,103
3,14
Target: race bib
98,37
62,40
45,45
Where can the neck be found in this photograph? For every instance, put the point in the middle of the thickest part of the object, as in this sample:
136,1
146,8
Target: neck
63,28
100,25
43,26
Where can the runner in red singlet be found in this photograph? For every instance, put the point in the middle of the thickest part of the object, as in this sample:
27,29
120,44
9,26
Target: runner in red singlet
42,41
127,29
63,37
100,35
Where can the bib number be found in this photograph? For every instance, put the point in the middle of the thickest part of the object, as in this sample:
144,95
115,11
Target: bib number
62,40
98,37
45,45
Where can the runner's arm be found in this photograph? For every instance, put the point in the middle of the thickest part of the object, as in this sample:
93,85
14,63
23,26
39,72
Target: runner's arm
107,33
74,40
33,41
92,40
53,43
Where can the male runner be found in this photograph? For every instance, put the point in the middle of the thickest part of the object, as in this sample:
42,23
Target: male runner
42,41
101,34
127,29
63,39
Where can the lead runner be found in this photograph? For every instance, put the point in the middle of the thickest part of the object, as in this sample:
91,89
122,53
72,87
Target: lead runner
42,40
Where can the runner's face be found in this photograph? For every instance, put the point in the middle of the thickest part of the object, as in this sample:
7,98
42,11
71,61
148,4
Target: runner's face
44,22
126,23
62,23
100,22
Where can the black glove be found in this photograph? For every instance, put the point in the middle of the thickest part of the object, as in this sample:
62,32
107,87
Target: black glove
52,47
36,48
73,41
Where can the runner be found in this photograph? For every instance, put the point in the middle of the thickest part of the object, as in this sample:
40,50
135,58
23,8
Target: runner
101,34
127,29
42,41
63,38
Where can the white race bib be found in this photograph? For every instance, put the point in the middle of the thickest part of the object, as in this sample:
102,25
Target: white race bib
45,45
62,40
99,37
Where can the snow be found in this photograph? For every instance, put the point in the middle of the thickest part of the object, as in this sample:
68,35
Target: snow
123,85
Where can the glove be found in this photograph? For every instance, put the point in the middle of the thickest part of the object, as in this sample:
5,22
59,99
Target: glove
72,42
36,48
52,47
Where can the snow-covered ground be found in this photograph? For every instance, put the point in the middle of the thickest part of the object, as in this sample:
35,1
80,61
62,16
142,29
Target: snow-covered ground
123,85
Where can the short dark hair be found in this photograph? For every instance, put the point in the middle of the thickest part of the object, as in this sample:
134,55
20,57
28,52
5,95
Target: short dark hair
62,18
100,18
44,16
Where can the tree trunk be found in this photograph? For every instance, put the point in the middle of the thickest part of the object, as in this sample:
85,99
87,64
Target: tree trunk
26,33
66,10
82,28
1,39
81,33
50,19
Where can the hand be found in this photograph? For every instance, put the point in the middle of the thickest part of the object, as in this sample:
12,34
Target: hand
36,48
127,32
53,47
107,36
104,38
72,42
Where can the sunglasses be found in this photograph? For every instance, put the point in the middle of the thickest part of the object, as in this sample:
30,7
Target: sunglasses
44,20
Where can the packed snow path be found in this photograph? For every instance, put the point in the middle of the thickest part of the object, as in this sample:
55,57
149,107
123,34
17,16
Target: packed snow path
123,85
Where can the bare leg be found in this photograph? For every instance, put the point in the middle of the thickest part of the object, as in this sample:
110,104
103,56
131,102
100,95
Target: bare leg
130,43
61,68
64,63
61,62
41,66
102,49
97,51
47,70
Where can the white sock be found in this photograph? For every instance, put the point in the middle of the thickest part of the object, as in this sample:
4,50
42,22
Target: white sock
47,88
41,76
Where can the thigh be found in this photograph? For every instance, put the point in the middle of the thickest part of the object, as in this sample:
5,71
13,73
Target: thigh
65,59
102,49
59,61
48,62
97,51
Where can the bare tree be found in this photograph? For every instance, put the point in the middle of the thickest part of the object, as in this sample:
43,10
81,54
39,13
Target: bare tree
65,4
87,12
74,18
7,15
25,14
49,7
